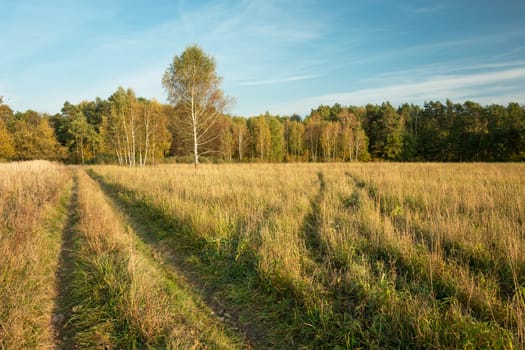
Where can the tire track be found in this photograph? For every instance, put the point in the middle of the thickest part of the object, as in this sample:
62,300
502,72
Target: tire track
175,268
62,309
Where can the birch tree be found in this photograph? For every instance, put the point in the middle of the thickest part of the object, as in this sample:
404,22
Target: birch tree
135,130
193,84
240,135
153,138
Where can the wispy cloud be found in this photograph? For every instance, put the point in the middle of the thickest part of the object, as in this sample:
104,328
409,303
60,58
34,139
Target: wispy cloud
427,9
279,80
249,38
463,43
439,69
490,87
268,51
418,50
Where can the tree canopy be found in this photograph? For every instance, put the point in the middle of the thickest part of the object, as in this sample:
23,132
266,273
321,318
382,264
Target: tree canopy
194,86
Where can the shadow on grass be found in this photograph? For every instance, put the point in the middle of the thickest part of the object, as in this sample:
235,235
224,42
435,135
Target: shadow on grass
358,309
224,273
482,261
350,310
312,225
415,267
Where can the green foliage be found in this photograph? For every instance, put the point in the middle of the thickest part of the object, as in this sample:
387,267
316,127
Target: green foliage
130,130
385,131
277,142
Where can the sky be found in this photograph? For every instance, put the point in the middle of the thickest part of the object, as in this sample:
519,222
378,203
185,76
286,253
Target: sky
282,56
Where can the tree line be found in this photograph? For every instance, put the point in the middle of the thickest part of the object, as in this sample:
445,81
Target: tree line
124,129
131,130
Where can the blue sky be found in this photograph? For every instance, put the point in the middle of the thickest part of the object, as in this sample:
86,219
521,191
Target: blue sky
284,56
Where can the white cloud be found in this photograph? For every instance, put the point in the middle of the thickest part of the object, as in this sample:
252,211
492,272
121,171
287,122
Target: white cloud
422,72
278,80
426,9
487,87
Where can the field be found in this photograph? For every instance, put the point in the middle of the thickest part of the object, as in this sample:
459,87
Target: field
364,255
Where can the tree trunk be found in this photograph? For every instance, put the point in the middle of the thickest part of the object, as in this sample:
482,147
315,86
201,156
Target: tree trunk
82,150
195,147
147,115
133,141
240,145
195,139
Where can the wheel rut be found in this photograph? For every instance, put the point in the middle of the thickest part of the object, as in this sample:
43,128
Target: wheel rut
62,309
179,271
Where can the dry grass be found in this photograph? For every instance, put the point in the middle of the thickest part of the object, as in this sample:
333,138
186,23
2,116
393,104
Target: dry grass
380,255
121,297
30,237
364,255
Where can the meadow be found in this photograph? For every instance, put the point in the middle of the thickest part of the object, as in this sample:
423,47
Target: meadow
333,255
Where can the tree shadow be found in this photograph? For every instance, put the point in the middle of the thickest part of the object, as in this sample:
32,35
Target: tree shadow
224,273
312,225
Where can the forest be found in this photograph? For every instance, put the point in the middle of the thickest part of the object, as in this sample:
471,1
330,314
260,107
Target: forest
126,129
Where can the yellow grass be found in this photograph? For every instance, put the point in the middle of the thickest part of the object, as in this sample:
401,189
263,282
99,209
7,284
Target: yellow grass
30,238
417,253
378,255
123,299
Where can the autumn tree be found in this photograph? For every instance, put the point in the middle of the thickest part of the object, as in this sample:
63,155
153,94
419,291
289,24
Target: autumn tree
135,130
353,140
312,134
224,142
154,138
34,138
277,142
81,132
7,146
116,126
261,137
5,112
241,136
328,140
294,135
192,82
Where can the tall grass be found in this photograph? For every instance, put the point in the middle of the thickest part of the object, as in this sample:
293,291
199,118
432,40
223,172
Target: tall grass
33,200
121,298
362,255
